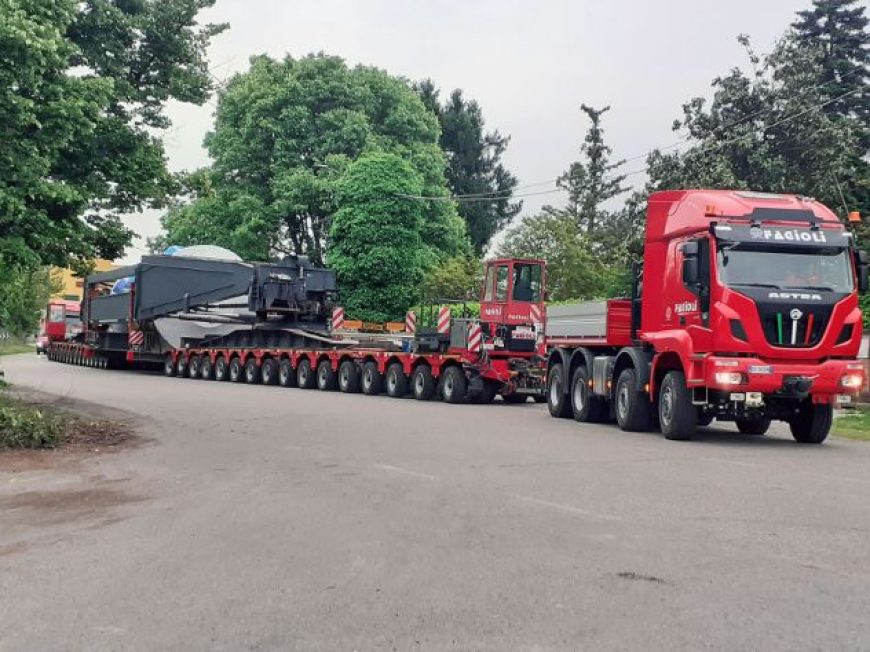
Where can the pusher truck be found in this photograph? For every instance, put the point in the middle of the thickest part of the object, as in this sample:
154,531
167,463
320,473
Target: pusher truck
745,309
279,323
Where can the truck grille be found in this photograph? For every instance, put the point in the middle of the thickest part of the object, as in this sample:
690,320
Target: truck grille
794,327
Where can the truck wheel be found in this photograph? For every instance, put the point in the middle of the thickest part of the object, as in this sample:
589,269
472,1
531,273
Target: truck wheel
236,370
286,375
813,423
753,426
326,377
556,399
396,381
305,375
269,371
206,368
348,377
193,367
180,366
632,406
584,407
221,369
454,385
677,416
423,383
372,379
168,365
252,371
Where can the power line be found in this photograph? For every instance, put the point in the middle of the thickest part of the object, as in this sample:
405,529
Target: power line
465,200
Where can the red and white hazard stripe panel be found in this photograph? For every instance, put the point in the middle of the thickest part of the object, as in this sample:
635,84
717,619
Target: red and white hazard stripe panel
444,320
136,338
475,337
536,313
337,318
411,322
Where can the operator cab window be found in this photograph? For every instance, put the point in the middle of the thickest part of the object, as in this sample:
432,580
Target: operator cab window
527,283
488,285
501,283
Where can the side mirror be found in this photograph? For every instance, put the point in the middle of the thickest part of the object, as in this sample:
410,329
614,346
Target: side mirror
690,249
546,295
861,264
690,271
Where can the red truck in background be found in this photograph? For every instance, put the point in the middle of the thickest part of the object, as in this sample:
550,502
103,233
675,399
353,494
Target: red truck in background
61,322
746,310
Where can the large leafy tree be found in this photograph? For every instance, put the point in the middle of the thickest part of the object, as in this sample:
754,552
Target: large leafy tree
377,248
474,164
285,133
83,84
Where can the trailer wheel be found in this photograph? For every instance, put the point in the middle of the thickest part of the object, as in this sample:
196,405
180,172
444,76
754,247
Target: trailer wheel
327,380
372,379
557,402
585,407
221,369
206,368
193,367
269,371
252,371
813,423
180,366
348,377
286,375
423,383
305,375
753,426
396,381
454,385
677,416
632,406
236,370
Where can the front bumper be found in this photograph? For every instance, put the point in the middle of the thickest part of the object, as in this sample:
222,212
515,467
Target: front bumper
821,380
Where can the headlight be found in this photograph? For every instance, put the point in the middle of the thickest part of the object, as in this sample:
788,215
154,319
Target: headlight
852,380
730,378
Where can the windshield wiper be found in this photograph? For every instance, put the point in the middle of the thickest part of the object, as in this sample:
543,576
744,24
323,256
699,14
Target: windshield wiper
827,288
758,285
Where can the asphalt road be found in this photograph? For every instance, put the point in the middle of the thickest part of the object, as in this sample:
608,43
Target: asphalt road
275,519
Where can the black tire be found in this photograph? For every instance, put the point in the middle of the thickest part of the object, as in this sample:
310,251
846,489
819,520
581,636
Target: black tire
487,396
813,423
168,365
395,381
193,366
372,379
348,377
286,374
585,407
454,385
557,397
237,371
252,371
269,371
633,412
753,426
423,384
305,376
677,416
221,369
206,368
180,366
327,379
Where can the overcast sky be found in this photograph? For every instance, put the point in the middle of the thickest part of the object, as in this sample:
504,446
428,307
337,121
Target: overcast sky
529,64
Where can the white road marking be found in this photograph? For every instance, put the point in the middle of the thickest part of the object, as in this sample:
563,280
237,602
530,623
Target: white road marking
396,469
570,509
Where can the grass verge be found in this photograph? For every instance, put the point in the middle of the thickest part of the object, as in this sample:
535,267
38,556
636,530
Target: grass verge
12,347
26,426
855,424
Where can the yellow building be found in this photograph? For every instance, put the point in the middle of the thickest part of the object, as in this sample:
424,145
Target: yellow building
71,284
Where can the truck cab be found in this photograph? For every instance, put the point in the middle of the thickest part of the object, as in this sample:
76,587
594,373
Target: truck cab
512,303
746,310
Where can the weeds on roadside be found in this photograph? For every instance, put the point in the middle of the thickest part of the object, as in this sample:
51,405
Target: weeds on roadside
24,426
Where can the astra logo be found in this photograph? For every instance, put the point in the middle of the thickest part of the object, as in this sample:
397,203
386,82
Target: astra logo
801,296
789,235
686,306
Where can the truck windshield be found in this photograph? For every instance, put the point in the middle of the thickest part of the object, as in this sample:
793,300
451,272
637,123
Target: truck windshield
817,269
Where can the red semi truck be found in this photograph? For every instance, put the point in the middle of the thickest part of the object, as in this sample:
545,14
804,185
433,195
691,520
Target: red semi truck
745,309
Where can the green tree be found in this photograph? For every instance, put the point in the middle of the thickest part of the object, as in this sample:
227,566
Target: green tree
474,164
83,83
25,288
459,277
377,248
284,134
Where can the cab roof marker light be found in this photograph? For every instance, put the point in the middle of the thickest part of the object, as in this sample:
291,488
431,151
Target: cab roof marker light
854,216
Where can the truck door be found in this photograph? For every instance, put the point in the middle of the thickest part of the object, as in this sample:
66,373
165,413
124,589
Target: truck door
692,306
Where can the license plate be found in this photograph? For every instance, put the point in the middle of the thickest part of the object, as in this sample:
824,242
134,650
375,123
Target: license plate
844,398
523,333
760,369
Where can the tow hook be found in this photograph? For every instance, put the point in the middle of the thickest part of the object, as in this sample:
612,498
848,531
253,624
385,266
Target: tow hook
797,386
